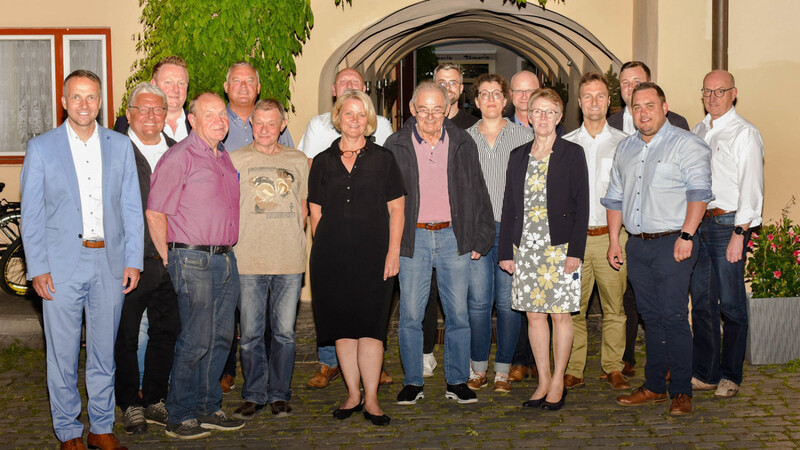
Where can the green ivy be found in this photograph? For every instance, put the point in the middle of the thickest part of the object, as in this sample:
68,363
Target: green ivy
213,34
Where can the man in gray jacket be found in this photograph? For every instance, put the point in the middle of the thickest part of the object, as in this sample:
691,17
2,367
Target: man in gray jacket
448,220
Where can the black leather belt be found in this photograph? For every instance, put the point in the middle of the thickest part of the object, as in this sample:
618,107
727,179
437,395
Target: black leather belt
651,236
215,249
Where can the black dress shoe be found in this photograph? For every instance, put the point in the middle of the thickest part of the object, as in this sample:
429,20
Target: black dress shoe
534,402
380,421
557,405
341,414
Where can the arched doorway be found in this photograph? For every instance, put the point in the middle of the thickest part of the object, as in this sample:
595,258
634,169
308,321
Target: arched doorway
558,46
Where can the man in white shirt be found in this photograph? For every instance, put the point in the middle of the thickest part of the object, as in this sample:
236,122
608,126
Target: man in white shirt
737,174
146,113
318,137
320,132
599,142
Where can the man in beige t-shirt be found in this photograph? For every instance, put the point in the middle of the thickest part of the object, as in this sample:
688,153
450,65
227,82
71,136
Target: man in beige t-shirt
271,255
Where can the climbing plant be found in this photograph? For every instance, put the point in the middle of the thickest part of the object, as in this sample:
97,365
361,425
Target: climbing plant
212,35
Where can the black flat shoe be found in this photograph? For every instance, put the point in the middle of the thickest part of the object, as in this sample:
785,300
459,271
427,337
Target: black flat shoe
380,421
557,405
341,414
534,402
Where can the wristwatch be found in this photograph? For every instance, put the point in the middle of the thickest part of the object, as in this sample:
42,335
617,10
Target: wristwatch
686,236
739,231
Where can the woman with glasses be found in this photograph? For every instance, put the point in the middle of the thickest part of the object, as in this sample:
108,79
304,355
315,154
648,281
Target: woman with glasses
356,203
543,229
489,286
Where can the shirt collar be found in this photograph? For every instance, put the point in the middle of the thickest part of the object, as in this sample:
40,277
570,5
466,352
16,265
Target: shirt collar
585,133
722,120
73,134
516,121
419,138
135,138
235,117
666,129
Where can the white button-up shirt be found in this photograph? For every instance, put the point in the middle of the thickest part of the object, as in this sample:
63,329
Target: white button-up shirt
152,153
627,122
89,168
599,151
180,130
737,165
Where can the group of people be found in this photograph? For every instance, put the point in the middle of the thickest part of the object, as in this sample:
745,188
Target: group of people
198,218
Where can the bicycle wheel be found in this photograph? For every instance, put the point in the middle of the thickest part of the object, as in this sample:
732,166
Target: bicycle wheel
14,270
9,228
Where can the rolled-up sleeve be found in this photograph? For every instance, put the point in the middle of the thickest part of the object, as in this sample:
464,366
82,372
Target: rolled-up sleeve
695,167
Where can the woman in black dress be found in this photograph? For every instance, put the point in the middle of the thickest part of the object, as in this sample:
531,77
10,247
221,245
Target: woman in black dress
356,201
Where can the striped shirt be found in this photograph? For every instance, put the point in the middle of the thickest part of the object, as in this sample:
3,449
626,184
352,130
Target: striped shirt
494,161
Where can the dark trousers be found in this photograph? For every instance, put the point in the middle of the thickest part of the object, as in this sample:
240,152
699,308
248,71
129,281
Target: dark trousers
662,297
430,324
718,288
156,294
523,356
631,325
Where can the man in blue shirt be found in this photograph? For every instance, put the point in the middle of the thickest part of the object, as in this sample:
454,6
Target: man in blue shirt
660,186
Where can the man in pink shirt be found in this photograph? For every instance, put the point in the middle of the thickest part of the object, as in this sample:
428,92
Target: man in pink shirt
193,215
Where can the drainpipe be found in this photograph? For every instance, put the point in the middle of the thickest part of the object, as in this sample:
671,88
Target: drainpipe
719,35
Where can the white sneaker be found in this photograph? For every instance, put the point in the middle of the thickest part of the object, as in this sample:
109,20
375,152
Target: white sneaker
698,385
726,388
428,364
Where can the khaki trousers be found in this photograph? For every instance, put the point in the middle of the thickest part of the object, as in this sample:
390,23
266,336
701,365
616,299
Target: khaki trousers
611,285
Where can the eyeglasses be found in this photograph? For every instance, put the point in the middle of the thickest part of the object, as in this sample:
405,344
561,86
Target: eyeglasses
718,92
525,92
549,113
495,94
144,110
423,113
449,83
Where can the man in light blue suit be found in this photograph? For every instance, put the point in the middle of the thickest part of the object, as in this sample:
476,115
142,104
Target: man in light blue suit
83,231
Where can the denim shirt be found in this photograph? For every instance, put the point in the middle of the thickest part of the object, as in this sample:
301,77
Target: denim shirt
240,133
651,183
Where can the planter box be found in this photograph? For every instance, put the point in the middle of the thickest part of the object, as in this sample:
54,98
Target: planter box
773,336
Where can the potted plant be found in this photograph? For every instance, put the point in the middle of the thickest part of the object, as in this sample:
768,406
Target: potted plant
773,271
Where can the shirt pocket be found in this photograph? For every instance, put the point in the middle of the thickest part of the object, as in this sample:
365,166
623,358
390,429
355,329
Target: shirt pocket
665,176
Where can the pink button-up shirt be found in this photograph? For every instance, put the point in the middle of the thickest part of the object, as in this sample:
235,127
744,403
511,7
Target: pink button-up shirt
434,198
198,192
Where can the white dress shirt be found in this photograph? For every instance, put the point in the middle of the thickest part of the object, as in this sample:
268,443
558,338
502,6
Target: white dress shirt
180,132
152,153
320,133
627,122
599,151
89,168
737,165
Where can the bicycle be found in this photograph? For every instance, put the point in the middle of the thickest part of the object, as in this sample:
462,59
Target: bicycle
12,263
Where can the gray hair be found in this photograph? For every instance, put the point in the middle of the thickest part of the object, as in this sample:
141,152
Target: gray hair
269,104
430,85
239,64
145,88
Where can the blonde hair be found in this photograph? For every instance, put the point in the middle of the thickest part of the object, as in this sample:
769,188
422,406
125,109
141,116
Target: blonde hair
549,95
372,118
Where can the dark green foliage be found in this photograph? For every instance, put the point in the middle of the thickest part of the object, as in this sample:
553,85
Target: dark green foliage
426,62
613,88
213,34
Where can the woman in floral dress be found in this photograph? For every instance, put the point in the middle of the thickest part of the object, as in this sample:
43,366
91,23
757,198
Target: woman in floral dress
542,239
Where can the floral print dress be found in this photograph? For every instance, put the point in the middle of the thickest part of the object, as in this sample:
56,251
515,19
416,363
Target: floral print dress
540,284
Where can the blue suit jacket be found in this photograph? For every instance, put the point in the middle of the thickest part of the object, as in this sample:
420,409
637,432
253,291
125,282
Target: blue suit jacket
52,224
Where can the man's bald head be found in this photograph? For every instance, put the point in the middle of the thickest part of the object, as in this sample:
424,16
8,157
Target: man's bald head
348,79
523,84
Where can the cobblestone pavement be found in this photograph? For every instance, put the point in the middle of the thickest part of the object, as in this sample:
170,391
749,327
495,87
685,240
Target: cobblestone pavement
764,414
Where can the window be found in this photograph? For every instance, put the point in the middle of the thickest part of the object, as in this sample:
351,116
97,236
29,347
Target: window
33,65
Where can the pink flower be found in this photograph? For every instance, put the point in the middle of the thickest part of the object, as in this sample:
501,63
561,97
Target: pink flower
770,237
772,246
750,244
791,232
777,274
796,254
755,235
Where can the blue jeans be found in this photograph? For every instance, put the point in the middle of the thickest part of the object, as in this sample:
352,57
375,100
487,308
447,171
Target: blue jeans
327,355
435,248
718,286
208,290
662,288
489,285
273,298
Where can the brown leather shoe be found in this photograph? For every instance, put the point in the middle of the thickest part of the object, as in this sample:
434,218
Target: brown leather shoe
629,370
325,374
641,396
501,384
73,444
105,441
572,381
681,404
618,381
385,378
227,383
517,373
476,382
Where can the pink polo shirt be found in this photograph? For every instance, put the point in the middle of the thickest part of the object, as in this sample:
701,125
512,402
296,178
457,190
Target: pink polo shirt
434,199
198,192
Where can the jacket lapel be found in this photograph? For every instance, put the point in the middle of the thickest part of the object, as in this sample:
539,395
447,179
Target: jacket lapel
65,158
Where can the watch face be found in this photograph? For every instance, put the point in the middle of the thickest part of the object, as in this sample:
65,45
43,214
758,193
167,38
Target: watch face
686,236
738,230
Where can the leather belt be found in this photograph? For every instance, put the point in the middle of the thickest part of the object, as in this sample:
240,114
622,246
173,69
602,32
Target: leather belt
598,231
651,236
714,212
94,244
433,226
215,249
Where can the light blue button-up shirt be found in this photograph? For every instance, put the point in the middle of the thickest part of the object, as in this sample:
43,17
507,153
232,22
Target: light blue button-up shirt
240,133
651,183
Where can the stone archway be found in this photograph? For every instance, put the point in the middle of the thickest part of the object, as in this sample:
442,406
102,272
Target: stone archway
559,46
